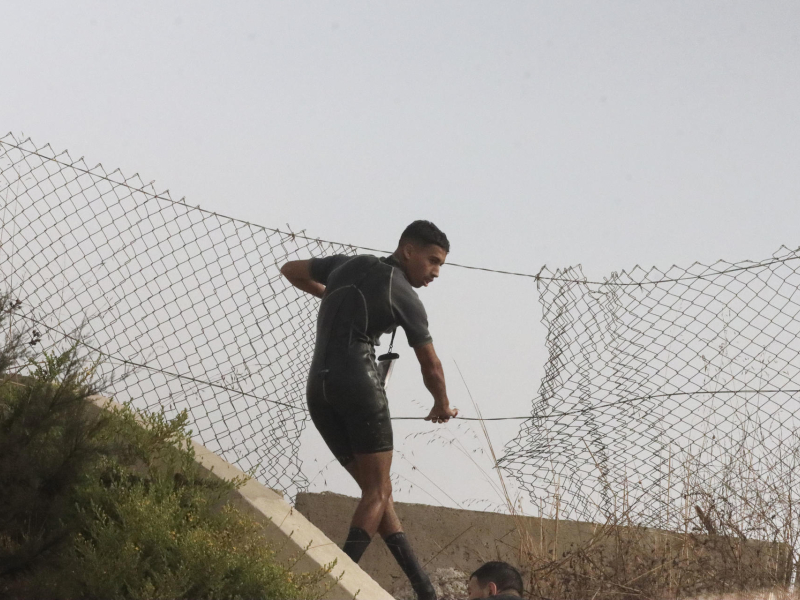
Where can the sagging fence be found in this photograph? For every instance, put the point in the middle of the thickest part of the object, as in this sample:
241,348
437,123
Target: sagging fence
189,302
670,395
664,393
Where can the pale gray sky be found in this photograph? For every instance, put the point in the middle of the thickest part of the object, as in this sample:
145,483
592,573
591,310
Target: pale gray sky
601,133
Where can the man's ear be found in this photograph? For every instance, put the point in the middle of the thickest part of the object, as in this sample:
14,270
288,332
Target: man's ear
492,587
407,250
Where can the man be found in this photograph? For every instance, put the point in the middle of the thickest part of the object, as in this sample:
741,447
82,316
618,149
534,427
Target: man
497,580
364,297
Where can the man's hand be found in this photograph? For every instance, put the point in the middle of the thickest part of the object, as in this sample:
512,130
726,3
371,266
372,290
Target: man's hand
441,414
433,376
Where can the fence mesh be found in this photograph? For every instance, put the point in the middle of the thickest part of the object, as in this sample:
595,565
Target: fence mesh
191,300
664,390
669,390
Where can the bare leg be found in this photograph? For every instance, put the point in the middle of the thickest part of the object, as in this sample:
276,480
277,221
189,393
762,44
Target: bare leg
371,472
389,522
372,476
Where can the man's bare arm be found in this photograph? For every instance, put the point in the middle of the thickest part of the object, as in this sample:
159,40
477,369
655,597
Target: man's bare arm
433,376
298,272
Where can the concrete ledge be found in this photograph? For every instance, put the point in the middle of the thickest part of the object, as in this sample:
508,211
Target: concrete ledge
287,530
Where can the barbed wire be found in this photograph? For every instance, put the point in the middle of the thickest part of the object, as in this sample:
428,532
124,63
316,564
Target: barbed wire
164,196
77,340
582,411
83,343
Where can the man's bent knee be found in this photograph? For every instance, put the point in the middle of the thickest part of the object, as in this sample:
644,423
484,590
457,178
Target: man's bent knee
379,494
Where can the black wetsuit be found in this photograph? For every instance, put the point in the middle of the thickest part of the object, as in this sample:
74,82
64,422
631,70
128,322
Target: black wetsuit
365,297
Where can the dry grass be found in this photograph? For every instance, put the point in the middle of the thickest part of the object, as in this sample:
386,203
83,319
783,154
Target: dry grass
726,539
626,560
730,530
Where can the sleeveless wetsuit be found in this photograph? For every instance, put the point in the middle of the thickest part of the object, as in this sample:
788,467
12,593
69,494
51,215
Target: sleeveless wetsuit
365,297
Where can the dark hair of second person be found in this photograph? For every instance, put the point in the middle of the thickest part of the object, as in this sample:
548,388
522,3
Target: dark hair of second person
495,578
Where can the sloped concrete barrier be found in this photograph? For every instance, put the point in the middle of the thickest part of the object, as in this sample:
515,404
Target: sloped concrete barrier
287,530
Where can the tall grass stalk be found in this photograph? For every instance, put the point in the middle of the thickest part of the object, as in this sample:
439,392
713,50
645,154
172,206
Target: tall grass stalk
724,541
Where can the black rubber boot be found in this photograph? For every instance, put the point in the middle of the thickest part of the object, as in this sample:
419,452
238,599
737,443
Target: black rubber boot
401,550
356,544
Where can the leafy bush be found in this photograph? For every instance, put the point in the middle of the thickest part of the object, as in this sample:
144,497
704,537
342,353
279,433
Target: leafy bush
111,504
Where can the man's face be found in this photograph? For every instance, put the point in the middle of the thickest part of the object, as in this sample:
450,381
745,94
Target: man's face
422,263
476,590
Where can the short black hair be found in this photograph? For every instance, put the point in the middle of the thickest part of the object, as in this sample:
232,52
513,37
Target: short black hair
425,232
502,574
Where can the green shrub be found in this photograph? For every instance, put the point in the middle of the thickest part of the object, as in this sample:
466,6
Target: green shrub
112,505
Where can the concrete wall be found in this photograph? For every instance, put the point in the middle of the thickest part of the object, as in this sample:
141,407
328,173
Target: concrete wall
288,530
463,539
442,537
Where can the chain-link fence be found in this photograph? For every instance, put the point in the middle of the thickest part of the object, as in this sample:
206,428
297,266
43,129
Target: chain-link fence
664,391
672,395
192,301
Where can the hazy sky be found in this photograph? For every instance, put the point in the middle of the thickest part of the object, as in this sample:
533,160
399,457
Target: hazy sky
601,133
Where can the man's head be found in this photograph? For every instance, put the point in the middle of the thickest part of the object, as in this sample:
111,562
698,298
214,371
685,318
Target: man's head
422,251
494,578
